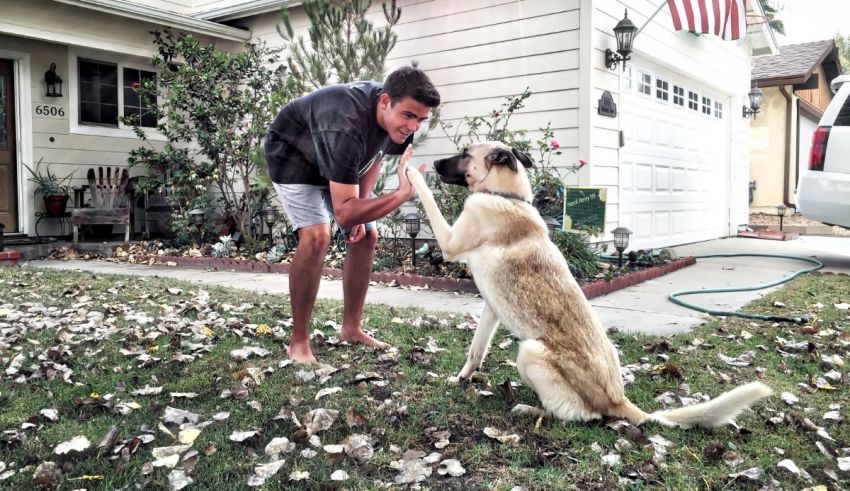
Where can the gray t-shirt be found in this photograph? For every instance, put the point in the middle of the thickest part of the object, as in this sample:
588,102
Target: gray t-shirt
331,134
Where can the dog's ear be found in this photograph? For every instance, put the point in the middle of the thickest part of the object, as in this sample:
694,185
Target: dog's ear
501,156
522,157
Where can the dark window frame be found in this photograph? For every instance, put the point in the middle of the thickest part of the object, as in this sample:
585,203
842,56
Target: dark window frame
104,89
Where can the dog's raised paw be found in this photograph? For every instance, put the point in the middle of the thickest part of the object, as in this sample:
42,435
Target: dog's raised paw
454,380
526,409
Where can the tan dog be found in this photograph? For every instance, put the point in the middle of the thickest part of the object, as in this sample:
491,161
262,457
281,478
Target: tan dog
564,354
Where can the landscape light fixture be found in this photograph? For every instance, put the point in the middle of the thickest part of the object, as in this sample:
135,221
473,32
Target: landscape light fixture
270,217
411,226
621,241
780,211
197,217
625,32
755,96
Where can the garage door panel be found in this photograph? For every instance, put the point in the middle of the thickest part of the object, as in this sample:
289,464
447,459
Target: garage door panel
675,164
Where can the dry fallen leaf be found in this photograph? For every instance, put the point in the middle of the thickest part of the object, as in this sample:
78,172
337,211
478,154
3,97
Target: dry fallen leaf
241,436
76,444
178,479
264,471
496,434
326,392
451,467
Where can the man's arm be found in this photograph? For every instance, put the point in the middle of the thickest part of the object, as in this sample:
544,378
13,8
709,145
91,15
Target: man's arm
367,182
352,208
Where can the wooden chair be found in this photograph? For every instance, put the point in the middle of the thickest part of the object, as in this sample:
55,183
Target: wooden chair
109,205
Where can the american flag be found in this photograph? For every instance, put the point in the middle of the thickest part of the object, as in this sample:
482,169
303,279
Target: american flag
724,18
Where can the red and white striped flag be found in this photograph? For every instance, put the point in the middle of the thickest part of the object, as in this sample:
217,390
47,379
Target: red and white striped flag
724,18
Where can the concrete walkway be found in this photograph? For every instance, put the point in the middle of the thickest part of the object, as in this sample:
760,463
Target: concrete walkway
642,308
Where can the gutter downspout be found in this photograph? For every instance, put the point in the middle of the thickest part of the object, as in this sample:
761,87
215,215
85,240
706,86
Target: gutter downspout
786,168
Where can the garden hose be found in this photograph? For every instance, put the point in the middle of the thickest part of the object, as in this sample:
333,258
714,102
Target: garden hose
772,318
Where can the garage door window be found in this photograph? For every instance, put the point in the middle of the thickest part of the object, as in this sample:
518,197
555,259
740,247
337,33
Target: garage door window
706,105
662,89
693,101
678,95
718,109
644,83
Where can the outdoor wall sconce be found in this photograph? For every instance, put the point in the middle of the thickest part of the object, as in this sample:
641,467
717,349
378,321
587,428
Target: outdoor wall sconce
53,81
755,103
197,217
621,241
625,32
411,226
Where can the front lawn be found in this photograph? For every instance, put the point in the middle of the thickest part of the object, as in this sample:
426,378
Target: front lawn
112,382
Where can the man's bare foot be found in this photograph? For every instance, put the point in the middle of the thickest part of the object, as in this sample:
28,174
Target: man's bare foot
359,336
300,353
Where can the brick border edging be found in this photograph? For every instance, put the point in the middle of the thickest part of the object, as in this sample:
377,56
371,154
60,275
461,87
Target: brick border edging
10,258
590,290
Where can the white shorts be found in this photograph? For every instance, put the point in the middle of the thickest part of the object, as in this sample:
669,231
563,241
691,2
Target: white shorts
307,204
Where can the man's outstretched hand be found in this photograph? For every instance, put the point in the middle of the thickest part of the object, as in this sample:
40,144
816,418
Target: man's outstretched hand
406,173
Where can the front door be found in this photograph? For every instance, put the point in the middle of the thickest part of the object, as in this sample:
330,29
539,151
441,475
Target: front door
8,178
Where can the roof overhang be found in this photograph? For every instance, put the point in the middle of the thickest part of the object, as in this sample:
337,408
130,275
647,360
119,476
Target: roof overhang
244,9
829,58
163,17
762,39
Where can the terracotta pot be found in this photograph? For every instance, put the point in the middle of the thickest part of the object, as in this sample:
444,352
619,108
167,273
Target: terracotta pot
55,205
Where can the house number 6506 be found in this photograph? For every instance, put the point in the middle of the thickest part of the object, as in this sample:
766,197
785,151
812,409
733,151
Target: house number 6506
49,110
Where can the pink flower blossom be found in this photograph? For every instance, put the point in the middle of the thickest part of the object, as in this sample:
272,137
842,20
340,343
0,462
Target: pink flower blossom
582,162
553,144
136,85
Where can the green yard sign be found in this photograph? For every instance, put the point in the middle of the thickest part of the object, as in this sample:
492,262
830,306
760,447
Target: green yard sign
584,207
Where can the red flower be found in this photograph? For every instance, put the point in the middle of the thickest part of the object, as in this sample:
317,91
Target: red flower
582,162
136,86
554,145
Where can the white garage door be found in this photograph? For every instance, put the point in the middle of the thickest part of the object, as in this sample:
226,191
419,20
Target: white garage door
674,169
806,128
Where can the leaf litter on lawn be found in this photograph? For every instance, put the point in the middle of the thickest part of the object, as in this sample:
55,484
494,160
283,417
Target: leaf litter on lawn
185,386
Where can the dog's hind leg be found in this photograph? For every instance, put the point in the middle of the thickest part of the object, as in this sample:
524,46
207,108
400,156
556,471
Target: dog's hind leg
487,326
550,384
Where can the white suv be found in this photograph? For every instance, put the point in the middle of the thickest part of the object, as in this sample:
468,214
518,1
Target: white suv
824,190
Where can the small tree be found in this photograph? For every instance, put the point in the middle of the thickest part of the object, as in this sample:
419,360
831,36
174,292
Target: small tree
214,108
344,45
843,44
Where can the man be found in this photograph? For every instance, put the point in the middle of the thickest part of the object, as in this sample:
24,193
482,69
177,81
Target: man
324,154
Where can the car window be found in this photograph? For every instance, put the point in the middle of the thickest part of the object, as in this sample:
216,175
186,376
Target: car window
843,118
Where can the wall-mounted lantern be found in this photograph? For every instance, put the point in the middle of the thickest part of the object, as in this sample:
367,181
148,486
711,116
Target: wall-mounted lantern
625,32
755,103
53,81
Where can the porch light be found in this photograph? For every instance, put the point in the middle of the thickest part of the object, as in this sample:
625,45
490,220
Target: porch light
53,81
411,226
780,211
755,95
625,32
621,241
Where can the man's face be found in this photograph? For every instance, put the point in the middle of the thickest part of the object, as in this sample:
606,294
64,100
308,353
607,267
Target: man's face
401,119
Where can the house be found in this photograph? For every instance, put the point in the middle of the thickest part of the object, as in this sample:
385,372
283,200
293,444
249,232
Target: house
673,156
795,86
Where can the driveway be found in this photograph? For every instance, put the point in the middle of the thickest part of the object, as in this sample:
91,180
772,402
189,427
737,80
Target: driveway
645,307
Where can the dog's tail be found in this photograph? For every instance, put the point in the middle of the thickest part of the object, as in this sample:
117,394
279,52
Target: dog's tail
716,412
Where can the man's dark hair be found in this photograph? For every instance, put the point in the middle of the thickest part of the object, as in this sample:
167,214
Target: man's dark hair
409,81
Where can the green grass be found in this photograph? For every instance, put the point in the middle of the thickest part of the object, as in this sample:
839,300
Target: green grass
550,455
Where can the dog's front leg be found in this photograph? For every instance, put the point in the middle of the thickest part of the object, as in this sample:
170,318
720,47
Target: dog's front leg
480,342
442,229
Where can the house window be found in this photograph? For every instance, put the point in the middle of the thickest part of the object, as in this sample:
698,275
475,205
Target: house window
718,109
662,89
99,94
678,95
133,105
693,101
645,83
706,105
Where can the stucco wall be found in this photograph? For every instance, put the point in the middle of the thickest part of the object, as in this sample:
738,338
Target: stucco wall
767,151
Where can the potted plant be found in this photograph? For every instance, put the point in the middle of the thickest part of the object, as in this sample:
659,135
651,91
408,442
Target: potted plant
55,191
